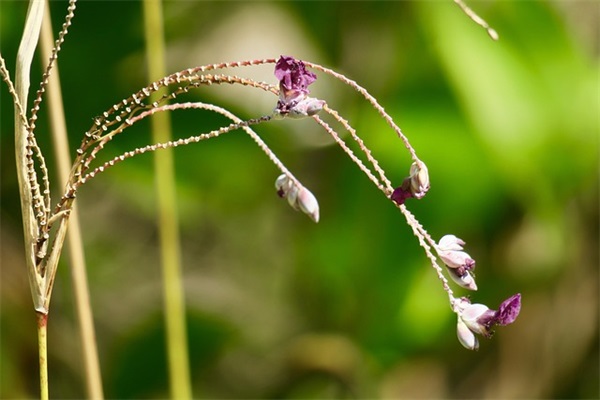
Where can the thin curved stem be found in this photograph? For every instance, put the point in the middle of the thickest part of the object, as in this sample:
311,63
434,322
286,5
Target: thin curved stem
371,100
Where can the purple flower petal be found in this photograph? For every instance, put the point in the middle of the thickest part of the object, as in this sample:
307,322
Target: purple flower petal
509,310
400,195
292,74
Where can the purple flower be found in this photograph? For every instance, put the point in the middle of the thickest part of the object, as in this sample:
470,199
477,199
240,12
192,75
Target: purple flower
293,89
292,75
479,319
509,310
401,193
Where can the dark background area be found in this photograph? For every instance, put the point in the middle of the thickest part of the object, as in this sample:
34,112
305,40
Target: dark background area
280,307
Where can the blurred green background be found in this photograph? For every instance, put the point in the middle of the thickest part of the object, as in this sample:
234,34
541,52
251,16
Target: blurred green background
279,307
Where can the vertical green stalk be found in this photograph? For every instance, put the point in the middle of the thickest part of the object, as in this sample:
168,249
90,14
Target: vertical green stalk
42,324
76,253
179,373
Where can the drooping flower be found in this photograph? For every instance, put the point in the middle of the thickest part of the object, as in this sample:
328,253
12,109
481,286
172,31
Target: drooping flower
479,319
294,79
415,185
298,197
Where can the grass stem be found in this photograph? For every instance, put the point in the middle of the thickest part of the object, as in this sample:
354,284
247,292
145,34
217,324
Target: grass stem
76,252
174,299
42,325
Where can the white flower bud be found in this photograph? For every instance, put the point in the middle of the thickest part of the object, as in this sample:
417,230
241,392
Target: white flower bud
465,280
308,204
292,197
450,242
457,259
306,108
472,316
282,184
419,179
465,336
298,197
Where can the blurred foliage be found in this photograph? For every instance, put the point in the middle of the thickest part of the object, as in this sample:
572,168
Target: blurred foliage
280,307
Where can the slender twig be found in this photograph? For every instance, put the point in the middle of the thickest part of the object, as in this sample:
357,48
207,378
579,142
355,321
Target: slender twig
350,153
11,89
372,101
477,19
100,134
52,57
65,201
425,241
362,146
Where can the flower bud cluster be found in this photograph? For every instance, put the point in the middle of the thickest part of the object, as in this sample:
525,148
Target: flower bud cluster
479,319
415,185
299,197
458,263
293,89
